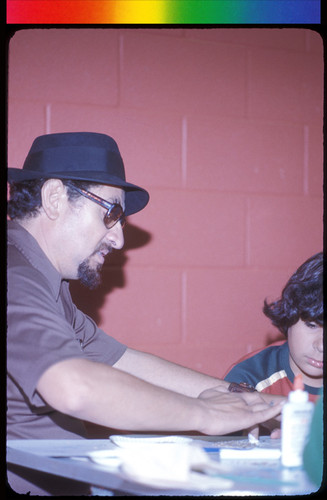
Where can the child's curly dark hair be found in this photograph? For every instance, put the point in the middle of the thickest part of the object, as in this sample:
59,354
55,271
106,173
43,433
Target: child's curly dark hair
302,297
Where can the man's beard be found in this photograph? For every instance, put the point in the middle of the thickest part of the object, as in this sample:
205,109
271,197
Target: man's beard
89,276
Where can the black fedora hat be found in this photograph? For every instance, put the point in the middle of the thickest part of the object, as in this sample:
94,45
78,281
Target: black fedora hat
85,156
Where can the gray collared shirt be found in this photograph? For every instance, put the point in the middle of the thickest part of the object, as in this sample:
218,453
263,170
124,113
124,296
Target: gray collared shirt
43,327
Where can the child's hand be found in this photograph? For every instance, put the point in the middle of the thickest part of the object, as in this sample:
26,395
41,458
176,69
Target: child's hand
275,434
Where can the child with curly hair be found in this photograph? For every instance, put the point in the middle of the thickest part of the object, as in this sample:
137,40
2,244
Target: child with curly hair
298,314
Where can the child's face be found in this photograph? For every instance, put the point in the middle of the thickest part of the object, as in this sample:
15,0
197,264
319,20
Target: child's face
305,340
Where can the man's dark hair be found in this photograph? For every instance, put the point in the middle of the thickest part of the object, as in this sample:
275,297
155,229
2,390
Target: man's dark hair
302,297
25,196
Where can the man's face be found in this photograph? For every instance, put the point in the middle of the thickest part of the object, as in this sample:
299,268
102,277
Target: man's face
86,240
305,340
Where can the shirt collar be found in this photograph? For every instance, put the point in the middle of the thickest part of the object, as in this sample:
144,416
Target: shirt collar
29,247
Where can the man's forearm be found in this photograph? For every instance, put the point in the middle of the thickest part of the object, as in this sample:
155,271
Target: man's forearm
166,374
110,397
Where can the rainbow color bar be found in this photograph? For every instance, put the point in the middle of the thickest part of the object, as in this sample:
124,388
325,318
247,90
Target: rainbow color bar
163,11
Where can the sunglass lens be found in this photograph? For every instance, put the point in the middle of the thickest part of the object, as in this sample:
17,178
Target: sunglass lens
113,216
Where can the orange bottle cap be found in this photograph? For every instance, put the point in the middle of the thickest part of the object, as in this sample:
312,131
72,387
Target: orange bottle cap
298,383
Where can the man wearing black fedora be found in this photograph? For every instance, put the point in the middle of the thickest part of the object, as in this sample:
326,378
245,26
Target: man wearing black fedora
67,211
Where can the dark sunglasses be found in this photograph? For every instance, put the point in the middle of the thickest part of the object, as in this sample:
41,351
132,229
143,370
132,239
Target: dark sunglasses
115,212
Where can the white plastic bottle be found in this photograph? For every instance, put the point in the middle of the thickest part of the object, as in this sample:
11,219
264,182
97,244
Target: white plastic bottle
296,420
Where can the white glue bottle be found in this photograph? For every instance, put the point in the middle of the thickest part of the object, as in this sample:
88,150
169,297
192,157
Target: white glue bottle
296,419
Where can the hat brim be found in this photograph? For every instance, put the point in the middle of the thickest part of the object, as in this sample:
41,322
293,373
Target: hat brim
136,198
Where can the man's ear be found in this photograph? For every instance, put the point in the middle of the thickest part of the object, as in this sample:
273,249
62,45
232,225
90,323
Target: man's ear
53,194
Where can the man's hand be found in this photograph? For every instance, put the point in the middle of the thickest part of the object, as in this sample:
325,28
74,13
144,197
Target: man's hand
272,425
228,412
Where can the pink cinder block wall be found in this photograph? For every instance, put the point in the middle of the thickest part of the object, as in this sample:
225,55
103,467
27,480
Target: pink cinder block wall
224,128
